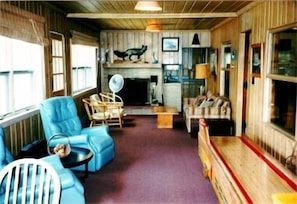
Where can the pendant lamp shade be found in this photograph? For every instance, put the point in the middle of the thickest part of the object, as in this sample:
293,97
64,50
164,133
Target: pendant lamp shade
148,6
153,28
196,40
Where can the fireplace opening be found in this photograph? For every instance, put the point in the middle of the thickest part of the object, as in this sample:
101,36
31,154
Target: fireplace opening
135,91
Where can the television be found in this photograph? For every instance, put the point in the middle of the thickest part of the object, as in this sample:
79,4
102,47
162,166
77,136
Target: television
171,73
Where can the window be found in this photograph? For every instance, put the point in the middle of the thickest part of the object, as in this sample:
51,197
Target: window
21,66
58,64
282,78
283,102
84,67
84,50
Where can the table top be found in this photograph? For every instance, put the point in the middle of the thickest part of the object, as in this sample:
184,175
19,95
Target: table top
258,179
77,156
165,110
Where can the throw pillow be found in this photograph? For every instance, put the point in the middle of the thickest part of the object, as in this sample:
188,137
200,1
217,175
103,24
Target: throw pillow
205,104
198,100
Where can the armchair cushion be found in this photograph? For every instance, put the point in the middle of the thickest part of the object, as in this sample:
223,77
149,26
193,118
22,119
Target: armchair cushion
68,179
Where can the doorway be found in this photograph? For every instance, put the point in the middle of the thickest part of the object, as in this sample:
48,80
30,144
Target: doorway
245,78
225,70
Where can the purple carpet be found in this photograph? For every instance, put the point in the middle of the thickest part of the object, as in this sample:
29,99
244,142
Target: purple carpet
151,166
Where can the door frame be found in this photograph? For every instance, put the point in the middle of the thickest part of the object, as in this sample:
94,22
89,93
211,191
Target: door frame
240,77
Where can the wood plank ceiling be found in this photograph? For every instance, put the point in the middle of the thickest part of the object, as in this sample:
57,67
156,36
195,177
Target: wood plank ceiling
175,15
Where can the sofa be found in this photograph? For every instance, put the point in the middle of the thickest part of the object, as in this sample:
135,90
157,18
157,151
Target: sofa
206,106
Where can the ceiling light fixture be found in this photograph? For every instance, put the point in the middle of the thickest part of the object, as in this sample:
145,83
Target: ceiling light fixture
148,6
153,28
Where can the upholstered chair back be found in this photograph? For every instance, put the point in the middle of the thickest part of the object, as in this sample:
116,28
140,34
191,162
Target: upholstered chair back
59,115
5,155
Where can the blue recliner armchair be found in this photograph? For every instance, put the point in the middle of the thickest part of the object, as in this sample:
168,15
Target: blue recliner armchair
71,187
59,115
5,155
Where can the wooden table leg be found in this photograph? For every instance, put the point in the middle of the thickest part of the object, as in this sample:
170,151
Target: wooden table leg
165,121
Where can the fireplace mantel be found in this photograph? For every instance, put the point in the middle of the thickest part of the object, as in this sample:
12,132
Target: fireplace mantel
133,65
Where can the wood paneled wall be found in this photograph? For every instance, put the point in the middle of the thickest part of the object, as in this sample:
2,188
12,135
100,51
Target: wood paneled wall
266,16
219,37
23,132
123,40
258,20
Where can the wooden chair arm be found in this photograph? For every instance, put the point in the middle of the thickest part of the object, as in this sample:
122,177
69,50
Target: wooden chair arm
110,97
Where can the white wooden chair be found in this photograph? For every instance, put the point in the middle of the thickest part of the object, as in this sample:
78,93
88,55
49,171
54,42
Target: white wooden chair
96,111
115,107
31,181
112,98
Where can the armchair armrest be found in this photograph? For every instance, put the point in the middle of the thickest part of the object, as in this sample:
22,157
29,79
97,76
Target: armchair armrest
55,161
111,97
79,139
67,178
96,130
73,139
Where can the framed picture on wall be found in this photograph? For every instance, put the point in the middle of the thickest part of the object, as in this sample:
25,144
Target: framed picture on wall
170,44
256,59
213,61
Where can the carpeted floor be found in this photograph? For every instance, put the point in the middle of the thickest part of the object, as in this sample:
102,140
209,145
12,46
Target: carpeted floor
152,165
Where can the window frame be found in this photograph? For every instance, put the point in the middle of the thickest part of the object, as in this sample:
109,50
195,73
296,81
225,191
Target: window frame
85,69
14,112
270,77
19,24
60,37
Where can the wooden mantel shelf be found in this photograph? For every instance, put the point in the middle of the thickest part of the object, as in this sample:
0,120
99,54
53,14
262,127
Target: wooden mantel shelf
132,65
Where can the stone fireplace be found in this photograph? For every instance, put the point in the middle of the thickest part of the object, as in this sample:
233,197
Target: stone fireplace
136,91
138,85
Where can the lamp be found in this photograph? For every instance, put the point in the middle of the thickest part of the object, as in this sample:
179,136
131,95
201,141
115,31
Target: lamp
196,40
202,72
153,28
148,6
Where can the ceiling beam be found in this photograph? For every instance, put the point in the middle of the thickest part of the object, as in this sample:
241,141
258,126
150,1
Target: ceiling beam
149,16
